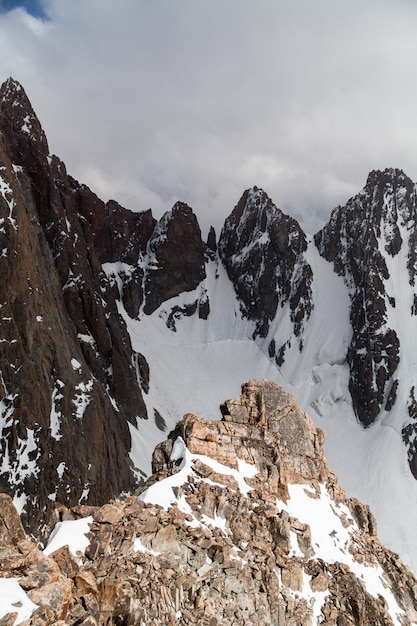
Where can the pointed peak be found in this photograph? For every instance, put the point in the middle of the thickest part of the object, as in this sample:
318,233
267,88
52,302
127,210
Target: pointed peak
180,219
257,195
253,207
17,117
212,239
11,89
181,208
181,212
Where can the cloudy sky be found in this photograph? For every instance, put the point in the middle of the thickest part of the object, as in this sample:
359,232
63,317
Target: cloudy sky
153,101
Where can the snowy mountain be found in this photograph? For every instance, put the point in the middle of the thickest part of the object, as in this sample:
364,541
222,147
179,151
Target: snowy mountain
113,326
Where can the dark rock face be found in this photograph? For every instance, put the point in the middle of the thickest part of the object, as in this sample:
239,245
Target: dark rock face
176,261
359,240
70,381
263,252
409,433
211,240
68,385
116,235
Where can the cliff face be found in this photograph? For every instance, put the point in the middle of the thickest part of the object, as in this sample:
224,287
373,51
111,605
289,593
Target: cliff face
68,385
368,241
241,523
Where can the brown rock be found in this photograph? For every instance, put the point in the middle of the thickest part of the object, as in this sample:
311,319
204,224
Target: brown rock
89,621
108,597
109,513
363,516
243,573
320,582
56,596
9,619
65,561
11,530
85,583
281,440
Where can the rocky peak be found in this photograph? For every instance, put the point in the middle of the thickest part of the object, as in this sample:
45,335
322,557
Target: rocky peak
264,426
68,376
116,233
175,257
19,122
361,240
217,536
263,252
389,177
212,240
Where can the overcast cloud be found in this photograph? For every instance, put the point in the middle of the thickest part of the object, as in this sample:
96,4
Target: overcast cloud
149,102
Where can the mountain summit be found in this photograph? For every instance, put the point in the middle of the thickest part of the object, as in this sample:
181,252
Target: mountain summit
21,126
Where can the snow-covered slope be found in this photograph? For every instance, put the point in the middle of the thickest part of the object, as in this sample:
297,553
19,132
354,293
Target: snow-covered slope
194,363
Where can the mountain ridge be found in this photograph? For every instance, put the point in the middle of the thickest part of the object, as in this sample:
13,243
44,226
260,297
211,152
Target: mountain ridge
242,522
114,323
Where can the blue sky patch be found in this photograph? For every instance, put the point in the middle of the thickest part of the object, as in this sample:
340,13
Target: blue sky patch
34,7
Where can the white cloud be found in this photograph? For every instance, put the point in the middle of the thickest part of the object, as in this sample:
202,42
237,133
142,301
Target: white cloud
150,102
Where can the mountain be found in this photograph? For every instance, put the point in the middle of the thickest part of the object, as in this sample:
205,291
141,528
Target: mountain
241,523
114,325
263,251
69,382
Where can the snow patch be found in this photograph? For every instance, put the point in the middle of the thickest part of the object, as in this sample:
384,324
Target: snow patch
13,599
71,533
82,397
76,365
162,493
56,415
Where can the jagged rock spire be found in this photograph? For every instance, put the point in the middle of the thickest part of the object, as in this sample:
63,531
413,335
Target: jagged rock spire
361,239
19,122
263,252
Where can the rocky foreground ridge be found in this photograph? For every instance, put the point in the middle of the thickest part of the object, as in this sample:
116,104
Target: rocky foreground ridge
241,523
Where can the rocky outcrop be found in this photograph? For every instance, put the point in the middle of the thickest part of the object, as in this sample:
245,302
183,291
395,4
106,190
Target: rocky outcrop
242,523
264,427
263,252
